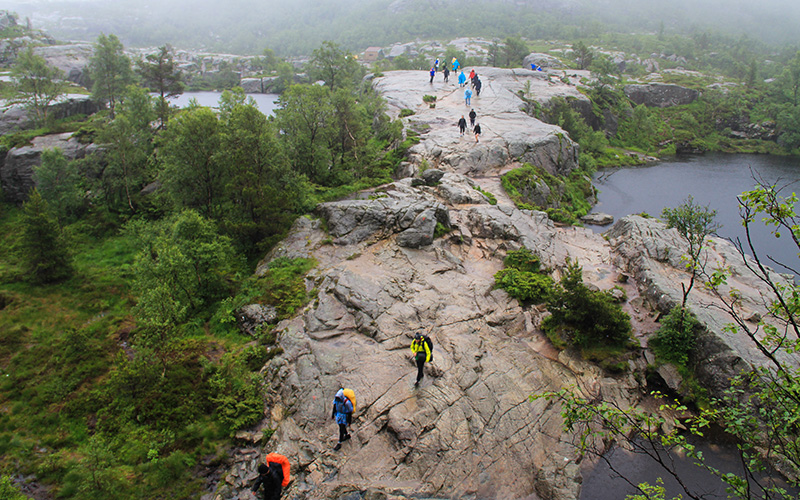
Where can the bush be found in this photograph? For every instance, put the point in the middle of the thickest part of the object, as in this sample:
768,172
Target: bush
677,336
406,112
584,317
522,277
429,98
524,286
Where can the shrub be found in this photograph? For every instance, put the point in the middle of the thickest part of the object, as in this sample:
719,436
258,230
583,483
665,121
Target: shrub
677,336
523,260
524,286
429,98
406,112
584,317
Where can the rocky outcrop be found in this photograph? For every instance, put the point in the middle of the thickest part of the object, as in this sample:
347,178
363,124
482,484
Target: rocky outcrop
72,59
543,60
508,134
17,170
660,95
651,253
14,118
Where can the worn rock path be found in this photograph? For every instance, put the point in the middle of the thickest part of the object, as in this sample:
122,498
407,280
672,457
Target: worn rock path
471,429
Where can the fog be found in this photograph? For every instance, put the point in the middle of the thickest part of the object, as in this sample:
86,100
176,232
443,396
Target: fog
249,26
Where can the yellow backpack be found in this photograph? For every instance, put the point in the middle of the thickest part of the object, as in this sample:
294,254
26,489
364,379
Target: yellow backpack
349,394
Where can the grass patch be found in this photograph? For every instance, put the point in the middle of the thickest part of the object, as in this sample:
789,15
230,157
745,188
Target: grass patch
564,199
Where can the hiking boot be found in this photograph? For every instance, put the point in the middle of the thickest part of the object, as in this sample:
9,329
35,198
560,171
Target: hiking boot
346,437
337,447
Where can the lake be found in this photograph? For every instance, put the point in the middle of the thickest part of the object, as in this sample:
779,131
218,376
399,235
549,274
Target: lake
267,103
712,179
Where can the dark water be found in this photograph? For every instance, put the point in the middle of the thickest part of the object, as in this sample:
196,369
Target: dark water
603,484
712,179
266,102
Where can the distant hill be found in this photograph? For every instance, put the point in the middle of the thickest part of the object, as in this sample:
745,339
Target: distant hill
293,28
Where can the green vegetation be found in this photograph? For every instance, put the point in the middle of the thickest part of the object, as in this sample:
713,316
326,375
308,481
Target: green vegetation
564,199
676,337
492,198
523,278
121,356
584,318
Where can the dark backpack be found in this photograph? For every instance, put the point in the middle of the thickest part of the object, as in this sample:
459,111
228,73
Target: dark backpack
430,344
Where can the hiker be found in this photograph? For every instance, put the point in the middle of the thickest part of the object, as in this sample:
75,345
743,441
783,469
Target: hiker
273,475
436,64
467,96
477,131
462,124
478,86
343,414
455,64
433,73
446,74
472,116
420,346
462,79
472,75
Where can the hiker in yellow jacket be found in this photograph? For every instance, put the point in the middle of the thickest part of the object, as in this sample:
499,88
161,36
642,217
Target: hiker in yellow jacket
421,347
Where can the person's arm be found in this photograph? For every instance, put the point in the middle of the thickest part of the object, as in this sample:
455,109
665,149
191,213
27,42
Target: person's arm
258,482
333,413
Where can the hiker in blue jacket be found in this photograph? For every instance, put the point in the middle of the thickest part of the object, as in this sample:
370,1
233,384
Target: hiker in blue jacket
433,73
343,414
462,79
467,95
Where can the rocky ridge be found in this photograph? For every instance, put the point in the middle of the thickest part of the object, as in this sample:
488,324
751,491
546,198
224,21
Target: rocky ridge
384,273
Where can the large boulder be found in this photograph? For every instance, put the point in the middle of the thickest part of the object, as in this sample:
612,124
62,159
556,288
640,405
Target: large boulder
660,95
71,59
15,117
17,170
543,60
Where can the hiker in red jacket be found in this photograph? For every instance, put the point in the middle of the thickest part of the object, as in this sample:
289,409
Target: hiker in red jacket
273,476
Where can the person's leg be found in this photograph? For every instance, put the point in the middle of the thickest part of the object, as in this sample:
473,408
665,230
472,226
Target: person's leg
342,432
420,366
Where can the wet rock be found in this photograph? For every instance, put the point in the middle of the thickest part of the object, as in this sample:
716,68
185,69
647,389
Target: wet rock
251,317
543,60
17,170
598,219
660,95
432,176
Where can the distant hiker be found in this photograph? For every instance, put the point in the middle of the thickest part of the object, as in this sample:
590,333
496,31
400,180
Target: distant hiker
436,64
478,86
467,96
533,67
446,74
456,64
433,73
273,475
343,414
422,346
462,79
462,124
472,75
477,131
472,116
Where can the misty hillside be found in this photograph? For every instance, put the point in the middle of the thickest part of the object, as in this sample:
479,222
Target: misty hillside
246,27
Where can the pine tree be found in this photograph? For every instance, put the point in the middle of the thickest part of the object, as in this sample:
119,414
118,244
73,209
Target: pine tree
44,255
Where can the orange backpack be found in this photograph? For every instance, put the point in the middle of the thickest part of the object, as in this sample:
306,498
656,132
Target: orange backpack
277,458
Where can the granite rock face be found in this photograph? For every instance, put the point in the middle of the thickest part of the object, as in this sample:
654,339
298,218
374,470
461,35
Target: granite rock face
17,170
660,95
509,135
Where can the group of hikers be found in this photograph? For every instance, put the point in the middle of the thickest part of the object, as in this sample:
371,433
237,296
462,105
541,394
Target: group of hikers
273,474
475,83
476,127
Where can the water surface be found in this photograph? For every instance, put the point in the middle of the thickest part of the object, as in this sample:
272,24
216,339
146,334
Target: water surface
712,179
267,103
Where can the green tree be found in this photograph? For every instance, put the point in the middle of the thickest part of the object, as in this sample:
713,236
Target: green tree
305,117
44,254
336,67
514,51
191,171
264,194
129,140
183,265
161,75
38,85
583,55
59,184
110,70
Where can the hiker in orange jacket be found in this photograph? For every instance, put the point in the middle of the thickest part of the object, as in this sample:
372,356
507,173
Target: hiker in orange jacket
273,476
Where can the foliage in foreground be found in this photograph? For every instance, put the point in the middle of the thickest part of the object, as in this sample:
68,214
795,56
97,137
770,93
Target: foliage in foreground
523,277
